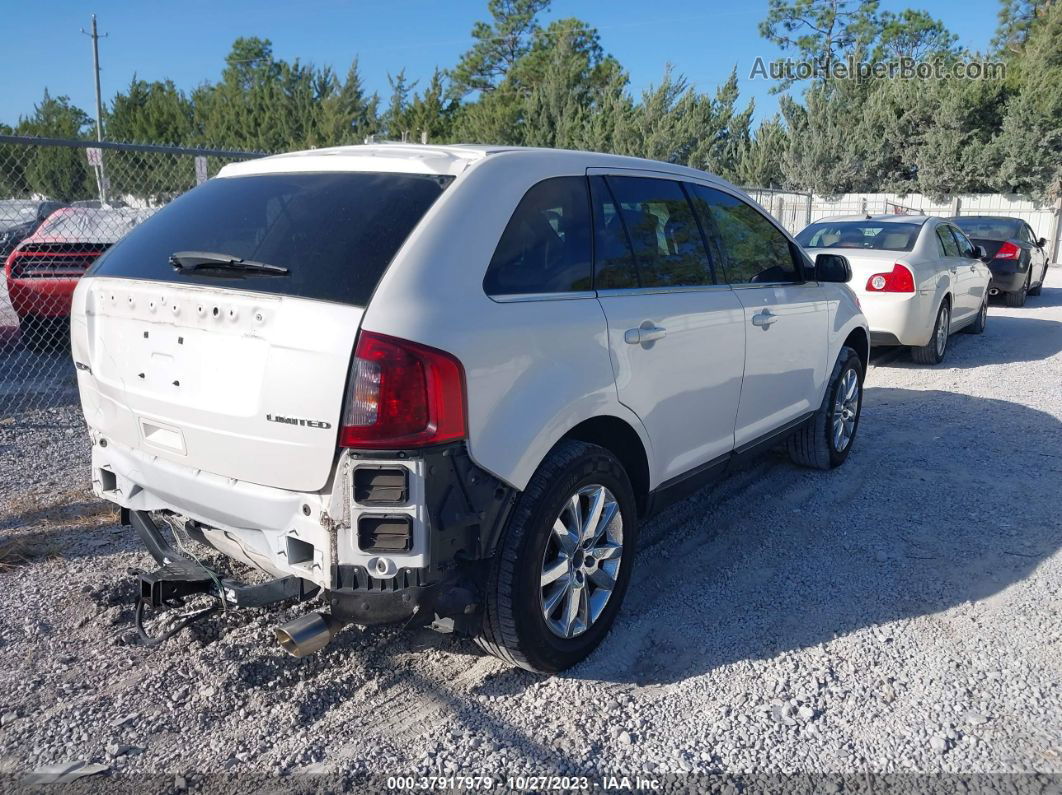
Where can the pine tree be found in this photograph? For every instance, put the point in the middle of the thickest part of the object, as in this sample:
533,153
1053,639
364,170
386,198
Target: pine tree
498,45
57,172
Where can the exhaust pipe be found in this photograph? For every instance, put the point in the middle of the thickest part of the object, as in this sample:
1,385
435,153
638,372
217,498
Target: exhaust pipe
993,291
308,634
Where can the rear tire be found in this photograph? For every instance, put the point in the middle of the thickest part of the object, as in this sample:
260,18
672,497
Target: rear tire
1035,291
979,323
818,445
1016,299
933,351
518,626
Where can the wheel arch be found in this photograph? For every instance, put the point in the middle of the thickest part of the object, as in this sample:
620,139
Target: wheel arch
622,440
859,341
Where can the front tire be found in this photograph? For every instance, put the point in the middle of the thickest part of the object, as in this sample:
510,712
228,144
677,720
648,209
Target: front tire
563,562
933,351
826,439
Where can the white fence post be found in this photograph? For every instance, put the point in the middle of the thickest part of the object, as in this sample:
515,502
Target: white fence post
1056,247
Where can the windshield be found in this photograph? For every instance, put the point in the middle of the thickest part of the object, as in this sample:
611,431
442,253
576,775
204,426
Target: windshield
16,212
76,225
884,236
336,233
988,228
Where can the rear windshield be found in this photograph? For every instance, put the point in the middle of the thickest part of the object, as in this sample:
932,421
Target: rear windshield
334,232
860,234
988,228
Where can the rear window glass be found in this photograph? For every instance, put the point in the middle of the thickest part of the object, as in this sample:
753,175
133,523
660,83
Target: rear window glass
546,246
989,228
860,234
336,233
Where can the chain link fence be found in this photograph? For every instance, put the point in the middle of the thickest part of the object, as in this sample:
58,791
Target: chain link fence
62,204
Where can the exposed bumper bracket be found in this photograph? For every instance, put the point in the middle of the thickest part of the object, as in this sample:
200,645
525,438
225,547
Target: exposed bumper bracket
177,576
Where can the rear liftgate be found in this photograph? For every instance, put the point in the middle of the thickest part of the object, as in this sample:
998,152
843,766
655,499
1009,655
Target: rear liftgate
178,577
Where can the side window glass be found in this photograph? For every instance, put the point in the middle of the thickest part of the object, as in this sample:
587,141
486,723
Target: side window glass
1027,234
947,242
613,260
754,250
667,244
545,248
966,248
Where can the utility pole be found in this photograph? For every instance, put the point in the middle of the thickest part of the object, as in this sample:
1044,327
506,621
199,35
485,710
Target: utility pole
101,179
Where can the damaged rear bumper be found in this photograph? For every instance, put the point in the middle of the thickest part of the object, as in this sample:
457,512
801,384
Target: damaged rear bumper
396,537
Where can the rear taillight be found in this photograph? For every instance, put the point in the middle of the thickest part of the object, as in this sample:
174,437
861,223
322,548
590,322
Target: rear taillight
898,280
402,394
1008,251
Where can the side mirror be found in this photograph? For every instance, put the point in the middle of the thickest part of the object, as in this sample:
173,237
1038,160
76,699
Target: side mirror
1042,242
833,268
980,253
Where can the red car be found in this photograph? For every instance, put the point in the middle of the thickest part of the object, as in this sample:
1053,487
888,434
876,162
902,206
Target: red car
43,269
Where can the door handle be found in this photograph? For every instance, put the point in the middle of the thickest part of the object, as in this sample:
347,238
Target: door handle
764,319
644,333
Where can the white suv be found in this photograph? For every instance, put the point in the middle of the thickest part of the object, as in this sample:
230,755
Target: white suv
444,384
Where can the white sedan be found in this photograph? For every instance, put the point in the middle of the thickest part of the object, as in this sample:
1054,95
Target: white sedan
918,278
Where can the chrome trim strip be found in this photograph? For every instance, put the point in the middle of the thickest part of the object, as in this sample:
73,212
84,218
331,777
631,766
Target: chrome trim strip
516,298
755,285
619,291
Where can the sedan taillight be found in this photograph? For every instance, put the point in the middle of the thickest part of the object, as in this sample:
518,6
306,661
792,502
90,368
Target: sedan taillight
898,280
1008,251
402,394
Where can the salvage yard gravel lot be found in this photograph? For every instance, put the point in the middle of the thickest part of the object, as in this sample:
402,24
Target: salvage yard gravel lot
902,613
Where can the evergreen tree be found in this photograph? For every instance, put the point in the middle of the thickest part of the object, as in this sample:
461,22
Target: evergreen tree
349,115
1016,19
821,31
1028,150
913,34
498,45
57,172
760,162
396,119
431,113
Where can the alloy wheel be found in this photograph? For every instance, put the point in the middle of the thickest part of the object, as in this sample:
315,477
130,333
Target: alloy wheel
845,410
942,331
581,562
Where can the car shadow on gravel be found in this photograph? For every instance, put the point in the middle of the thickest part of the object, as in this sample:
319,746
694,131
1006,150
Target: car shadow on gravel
1008,339
931,511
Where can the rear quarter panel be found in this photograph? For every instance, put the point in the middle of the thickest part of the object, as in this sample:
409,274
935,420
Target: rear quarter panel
845,318
534,368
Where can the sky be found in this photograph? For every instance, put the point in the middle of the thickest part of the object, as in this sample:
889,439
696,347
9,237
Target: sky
187,41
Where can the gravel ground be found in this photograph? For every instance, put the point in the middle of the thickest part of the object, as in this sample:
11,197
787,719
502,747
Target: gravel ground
900,614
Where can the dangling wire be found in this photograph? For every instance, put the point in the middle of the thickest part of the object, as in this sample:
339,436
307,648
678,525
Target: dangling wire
187,621
181,546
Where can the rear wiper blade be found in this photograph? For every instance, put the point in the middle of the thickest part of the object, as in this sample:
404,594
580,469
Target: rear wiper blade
191,261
